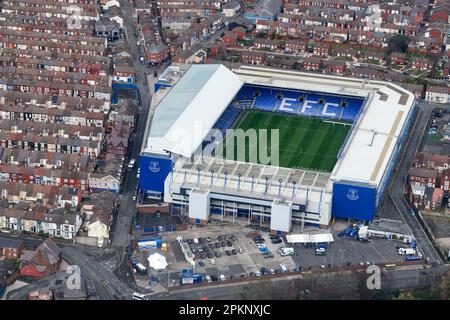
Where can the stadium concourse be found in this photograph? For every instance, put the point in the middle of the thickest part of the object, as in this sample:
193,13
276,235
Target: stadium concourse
338,141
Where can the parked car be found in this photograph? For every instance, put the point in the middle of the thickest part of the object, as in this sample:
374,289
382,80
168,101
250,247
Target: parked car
205,248
210,255
252,274
217,254
229,243
258,274
211,246
233,238
234,252
214,278
276,240
208,278
208,239
201,263
222,277
219,238
223,244
203,256
212,261
217,245
268,255
240,250
227,252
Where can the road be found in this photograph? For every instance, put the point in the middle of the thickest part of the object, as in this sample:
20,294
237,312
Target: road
395,193
390,280
107,285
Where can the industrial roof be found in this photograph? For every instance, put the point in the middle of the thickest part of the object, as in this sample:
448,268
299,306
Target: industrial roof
177,126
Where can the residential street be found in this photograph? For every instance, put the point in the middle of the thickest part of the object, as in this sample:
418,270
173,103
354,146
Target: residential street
395,198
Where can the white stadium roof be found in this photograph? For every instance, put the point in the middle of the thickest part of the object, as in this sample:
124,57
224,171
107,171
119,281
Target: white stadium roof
189,110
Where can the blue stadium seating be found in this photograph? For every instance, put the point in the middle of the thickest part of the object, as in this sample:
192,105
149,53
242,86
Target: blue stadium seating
352,109
227,118
267,99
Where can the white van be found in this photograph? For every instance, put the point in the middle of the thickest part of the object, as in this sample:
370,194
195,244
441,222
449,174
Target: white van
138,296
407,251
286,251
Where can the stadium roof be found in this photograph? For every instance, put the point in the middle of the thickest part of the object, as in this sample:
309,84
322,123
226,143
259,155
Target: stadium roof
188,111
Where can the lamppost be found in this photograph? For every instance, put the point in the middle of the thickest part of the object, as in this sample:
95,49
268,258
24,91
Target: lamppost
342,255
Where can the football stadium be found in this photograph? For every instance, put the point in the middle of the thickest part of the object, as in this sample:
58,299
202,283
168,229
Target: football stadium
337,141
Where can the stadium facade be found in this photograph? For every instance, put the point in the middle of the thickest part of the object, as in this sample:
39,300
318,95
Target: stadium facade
378,113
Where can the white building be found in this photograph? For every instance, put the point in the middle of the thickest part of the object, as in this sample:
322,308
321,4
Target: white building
437,94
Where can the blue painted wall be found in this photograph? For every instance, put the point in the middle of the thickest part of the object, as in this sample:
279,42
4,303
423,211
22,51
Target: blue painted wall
154,171
161,85
353,201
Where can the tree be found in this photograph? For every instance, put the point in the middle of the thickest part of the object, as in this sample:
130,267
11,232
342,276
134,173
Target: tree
398,43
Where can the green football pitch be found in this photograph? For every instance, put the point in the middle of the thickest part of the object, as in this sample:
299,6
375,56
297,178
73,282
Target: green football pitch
307,143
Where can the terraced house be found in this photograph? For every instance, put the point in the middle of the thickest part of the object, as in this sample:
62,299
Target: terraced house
55,99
